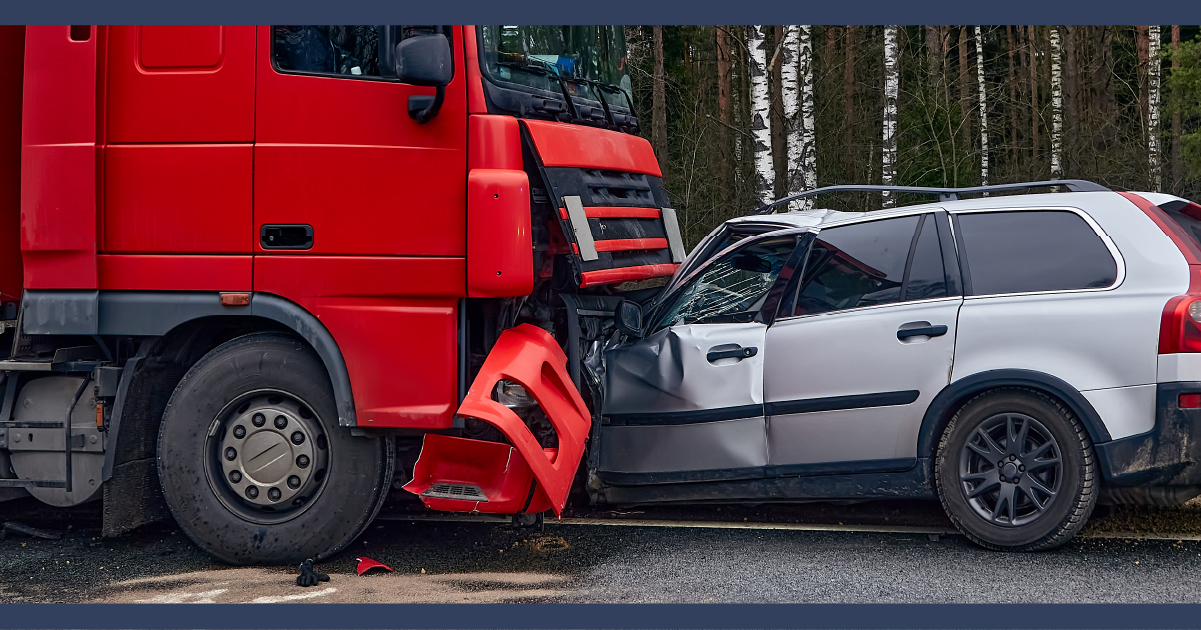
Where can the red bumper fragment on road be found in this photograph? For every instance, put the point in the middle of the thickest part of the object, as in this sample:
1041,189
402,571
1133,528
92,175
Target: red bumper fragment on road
464,475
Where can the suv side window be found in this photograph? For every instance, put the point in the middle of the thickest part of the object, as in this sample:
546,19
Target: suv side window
862,264
927,277
733,288
1041,250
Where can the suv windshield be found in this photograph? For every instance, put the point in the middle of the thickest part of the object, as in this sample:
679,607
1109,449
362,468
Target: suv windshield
591,60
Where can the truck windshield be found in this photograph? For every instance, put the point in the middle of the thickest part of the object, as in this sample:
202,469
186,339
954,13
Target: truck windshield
590,60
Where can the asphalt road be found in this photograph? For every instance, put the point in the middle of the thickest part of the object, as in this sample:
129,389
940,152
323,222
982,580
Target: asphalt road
717,557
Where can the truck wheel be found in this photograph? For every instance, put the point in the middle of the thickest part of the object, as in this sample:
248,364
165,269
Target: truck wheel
253,463
1015,471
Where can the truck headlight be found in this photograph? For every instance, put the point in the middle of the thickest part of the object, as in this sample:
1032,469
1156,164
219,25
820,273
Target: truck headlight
512,395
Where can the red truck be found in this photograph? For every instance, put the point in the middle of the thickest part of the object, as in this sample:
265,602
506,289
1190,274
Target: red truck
248,273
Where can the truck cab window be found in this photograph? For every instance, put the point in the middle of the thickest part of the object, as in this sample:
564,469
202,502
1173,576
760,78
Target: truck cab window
350,51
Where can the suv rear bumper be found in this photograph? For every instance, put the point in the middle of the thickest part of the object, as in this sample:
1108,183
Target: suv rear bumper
1167,455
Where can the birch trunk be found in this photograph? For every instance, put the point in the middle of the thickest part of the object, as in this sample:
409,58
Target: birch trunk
760,115
797,87
1056,105
1153,106
790,87
892,83
982,93
808,113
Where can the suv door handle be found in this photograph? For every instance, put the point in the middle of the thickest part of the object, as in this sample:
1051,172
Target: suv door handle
733,353
919,329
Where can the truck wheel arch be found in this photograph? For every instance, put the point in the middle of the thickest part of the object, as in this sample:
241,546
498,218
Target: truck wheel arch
158,313
944,405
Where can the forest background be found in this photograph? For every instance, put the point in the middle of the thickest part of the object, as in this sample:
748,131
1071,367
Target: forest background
743,115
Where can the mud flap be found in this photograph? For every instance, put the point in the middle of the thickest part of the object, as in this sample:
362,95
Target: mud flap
464,475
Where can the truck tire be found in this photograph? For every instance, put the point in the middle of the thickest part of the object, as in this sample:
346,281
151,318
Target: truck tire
1016,471
253,464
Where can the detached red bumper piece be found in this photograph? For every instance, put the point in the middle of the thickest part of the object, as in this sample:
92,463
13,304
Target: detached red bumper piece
463,475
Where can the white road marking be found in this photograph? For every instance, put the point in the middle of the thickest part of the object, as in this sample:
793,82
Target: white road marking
205,597
278,599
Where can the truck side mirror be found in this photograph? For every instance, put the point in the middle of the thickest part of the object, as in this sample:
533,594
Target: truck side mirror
425,60
628,318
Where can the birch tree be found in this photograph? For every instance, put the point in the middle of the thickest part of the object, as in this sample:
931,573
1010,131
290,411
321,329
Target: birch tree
808,118
1153,106
983,97
790,87
799,110
760,116
892,84
1056,105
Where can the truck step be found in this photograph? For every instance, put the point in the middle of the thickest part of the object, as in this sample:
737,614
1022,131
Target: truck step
455,491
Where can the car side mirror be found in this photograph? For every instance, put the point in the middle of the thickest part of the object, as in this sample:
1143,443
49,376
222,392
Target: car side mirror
425,60
628,318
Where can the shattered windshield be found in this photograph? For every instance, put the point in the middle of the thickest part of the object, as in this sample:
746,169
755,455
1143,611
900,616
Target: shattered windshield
733,288
590,60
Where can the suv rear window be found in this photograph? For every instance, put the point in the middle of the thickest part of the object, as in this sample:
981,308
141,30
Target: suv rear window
1043,250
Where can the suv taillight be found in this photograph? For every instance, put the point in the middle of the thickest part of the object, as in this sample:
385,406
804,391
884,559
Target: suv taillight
1180,330
1180,327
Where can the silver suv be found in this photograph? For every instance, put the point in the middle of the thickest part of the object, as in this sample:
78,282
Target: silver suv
1017,356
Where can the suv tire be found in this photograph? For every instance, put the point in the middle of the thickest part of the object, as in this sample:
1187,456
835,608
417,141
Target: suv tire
1015,471
253,464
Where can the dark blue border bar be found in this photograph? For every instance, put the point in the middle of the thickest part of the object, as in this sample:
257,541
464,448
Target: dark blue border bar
615,616
644,12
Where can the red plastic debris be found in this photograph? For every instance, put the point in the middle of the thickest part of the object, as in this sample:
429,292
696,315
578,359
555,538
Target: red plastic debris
367,564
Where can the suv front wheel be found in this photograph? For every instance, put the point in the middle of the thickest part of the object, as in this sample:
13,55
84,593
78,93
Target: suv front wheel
1016,471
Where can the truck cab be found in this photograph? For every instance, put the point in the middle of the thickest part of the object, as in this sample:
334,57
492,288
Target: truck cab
268,273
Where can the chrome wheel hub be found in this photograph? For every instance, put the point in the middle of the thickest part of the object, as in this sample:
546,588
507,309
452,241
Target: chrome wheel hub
270,453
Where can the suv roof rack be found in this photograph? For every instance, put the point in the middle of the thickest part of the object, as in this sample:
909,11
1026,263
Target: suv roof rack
944,194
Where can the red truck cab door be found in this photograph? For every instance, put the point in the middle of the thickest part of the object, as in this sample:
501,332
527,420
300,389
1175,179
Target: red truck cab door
370,206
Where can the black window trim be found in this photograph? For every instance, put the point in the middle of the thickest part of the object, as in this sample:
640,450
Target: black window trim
921,215
1114,252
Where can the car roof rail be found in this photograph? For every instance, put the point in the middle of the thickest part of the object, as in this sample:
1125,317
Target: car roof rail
944,194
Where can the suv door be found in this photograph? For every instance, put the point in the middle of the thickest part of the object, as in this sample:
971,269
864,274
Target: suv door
861,346
688,397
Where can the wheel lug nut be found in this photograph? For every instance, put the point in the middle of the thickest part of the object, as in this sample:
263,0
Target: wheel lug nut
235,476
293,482
258,420
239,431
1021,468
280,422
252,492
297,438
1012,457
1002,478
303,461
274,494
231,454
